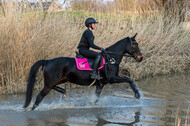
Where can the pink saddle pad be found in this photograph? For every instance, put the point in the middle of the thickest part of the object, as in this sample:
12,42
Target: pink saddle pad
82,64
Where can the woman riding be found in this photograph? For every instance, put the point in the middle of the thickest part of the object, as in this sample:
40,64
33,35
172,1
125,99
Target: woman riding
87,41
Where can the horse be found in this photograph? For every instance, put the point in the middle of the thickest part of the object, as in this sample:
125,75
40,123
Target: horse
63,69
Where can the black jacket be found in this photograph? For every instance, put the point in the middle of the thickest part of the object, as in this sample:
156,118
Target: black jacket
87,40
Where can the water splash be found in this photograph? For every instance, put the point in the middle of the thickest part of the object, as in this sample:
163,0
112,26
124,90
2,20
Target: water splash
8,107
115,100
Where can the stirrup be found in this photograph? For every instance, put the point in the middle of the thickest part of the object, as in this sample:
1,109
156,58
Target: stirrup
95,76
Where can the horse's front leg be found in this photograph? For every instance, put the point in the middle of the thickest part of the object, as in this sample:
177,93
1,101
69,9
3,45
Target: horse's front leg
118,79
98,91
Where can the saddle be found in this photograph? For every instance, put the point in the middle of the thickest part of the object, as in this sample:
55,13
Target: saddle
83,63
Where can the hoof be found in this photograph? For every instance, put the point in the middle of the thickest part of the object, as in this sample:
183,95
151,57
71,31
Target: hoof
96,101
27,109
64,96
137,95
34,107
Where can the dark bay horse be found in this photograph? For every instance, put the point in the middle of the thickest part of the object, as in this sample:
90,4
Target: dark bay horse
59,70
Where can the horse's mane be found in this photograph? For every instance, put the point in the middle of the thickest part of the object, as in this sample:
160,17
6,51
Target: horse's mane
118,44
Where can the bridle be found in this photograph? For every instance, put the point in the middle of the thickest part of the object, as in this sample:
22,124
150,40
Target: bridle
127,55
132,42
112,60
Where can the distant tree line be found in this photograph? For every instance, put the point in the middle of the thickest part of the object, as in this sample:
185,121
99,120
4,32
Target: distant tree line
171,8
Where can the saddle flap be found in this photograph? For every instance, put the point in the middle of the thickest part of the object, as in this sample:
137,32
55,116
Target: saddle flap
87,64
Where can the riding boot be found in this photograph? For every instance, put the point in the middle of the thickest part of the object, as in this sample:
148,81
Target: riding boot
94,74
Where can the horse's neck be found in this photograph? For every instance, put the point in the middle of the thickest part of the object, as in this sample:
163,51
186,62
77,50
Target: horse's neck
119,50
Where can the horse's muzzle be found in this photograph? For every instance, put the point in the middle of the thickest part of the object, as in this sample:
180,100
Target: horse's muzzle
139,58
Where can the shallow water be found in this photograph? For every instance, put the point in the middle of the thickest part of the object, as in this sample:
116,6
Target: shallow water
164,100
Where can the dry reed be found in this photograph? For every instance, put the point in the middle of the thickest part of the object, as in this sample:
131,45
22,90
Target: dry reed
31,36
182,118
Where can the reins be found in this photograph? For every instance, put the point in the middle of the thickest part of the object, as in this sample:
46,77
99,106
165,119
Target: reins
127,55
113,60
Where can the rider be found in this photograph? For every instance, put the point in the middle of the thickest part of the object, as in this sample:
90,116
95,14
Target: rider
87,41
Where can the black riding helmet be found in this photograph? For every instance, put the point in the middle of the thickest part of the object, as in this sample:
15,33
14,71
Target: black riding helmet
90,21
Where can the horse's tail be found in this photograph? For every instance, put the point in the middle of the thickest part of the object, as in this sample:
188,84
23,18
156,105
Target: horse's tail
31,80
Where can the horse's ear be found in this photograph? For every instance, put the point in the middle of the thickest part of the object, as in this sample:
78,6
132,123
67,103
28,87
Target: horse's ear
135,35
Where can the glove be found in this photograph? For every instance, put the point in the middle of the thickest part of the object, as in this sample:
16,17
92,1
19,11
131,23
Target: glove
103,50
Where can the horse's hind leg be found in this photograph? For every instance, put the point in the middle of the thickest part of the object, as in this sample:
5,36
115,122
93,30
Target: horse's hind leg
61,90
40,96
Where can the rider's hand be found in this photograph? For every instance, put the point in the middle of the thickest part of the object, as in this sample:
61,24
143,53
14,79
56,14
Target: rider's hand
103,50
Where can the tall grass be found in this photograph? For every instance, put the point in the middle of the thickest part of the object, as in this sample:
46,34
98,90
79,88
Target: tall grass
26,37
165,45
182,118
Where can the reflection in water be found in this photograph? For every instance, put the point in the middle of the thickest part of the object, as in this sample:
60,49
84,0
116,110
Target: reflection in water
102,122
79,120
164,99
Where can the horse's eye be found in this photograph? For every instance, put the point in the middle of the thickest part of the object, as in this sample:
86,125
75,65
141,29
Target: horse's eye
135,45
